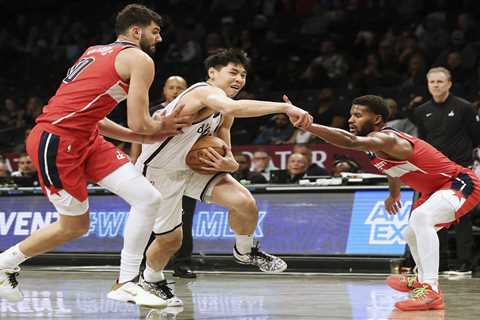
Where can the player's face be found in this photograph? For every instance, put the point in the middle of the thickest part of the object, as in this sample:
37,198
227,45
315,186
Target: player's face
438,84
230,78
150,38
361,121
173,88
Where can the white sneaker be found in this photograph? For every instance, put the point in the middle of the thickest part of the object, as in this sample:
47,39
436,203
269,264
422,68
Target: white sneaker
162,290
264,261
9,285
134,293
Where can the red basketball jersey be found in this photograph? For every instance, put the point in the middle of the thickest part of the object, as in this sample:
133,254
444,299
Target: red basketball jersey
426,171
89,92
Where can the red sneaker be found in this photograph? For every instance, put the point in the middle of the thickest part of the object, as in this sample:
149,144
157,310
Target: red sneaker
422,298
403,282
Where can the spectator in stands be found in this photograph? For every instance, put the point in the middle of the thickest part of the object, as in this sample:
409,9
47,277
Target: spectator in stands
262,163
20,148
330,112
25,167
4,172
313,169
244,173
280,133
451,125
297,166
344,164
396,122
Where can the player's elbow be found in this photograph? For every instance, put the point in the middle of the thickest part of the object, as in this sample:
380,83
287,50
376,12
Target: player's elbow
137,126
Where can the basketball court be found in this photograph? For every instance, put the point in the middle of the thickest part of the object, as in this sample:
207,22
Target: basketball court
80,293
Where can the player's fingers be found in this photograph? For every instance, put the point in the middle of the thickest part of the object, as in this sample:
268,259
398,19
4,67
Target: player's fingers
210,169
286,99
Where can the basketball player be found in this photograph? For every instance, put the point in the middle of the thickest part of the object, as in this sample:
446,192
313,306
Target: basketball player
448,191
67,149
164,164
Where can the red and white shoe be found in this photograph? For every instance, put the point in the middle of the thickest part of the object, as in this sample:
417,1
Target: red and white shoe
403,282
422,298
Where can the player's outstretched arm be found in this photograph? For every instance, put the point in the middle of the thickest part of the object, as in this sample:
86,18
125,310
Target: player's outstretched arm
376,141
108,128
216,99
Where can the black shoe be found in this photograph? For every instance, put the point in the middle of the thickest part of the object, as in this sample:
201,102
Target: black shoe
465,269
184,271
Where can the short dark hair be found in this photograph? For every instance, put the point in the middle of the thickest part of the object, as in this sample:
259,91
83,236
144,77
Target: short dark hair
135,14
375,104
223,57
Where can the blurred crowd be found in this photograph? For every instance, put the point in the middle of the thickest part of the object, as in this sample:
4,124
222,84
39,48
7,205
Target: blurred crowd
321,53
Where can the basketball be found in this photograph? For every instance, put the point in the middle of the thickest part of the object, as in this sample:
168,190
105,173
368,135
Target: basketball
197,151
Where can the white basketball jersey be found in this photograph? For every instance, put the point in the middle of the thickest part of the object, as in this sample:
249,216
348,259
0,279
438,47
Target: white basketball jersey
171,152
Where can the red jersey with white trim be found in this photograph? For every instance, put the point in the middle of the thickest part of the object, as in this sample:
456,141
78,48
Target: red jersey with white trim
91,89
426,171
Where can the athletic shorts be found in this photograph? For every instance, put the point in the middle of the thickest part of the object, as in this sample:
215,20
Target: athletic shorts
65,164
174,185
464,197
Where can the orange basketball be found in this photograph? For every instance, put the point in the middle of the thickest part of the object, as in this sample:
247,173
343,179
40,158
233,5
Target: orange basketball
197,151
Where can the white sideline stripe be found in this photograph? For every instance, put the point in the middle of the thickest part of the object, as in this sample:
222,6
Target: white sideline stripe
113,91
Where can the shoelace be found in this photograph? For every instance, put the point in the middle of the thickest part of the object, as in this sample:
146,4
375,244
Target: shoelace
420,293
256,253
411,280
12,278
163,289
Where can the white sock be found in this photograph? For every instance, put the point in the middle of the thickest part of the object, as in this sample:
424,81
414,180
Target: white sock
151,275
12,257
244,243
129,266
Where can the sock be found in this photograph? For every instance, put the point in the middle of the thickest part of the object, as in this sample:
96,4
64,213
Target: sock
151,275
244,243
129,266
12,257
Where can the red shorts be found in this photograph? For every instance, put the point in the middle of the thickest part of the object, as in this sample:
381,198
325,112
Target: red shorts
66,163
466,186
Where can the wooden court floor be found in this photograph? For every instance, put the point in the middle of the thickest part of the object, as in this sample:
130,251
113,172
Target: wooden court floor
80,293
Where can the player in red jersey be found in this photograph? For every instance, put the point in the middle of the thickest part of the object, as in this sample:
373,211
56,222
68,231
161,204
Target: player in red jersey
448,191
68,150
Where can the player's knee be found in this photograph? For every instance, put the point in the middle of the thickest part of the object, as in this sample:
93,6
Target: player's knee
72,232
245,202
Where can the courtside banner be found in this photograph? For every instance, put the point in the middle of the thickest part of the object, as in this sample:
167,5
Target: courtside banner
372,229
324,223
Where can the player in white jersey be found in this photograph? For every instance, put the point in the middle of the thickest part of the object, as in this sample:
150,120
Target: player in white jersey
164,165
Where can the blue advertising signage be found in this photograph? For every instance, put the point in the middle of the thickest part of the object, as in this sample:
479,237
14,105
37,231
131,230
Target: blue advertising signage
324,223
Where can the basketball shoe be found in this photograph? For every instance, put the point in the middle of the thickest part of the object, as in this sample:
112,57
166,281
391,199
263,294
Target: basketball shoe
264,261
403,282
9,285
133,292
161,290
422,298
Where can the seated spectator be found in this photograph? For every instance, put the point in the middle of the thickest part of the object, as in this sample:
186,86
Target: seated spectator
313,169
4,172
344,164
262,163
296,169
395,122
280,133
25,167
244,173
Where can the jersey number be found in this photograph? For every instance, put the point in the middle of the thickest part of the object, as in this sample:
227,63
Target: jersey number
77,68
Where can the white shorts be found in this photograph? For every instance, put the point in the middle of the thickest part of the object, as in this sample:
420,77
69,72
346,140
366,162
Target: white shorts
173,186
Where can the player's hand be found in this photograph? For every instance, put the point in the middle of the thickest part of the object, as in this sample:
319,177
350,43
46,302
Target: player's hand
298,117
215,162
393,204
173,123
